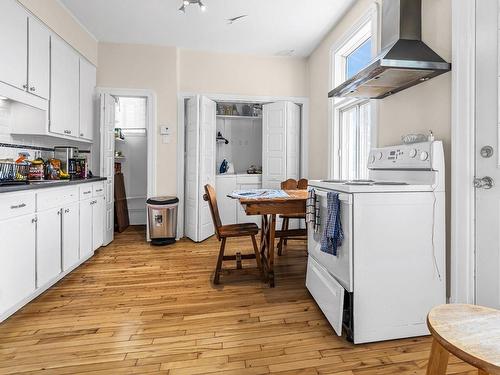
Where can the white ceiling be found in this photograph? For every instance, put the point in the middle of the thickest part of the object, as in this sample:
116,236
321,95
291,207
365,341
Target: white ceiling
272,26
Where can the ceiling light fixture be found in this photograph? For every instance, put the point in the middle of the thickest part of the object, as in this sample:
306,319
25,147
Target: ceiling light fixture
186,3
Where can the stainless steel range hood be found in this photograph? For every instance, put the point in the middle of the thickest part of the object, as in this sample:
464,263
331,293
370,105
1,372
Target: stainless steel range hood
405,60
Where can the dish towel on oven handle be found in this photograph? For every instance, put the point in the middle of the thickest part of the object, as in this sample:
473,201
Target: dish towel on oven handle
332,234
312,210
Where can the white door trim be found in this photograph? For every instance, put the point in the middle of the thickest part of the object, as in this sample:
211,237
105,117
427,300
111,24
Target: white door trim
462,257
181,96
151,128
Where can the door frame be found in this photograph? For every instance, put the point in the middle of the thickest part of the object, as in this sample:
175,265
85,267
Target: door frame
150,128
181,96
462,262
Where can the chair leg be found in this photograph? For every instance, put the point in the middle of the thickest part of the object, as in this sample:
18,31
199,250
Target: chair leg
438,361
280,243
257,256
285,241
218,267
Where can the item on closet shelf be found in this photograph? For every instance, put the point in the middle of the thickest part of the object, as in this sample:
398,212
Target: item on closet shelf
413,138
220,138
252,170
246,110
230,168
257,110
223,167
235,110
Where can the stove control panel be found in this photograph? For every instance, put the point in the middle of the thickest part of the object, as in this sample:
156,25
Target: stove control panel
408,156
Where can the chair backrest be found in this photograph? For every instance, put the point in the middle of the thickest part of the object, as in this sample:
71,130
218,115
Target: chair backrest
211,197
302,184
289,184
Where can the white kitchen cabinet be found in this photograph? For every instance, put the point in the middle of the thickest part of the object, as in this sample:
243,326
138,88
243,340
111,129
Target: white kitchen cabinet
225,185
87,89
17,260
13,44
86,245
39,59
98,221
64,89
70,234
48,246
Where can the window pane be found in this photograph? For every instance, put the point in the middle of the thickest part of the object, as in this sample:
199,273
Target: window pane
359,58
131,113
364,142
348,144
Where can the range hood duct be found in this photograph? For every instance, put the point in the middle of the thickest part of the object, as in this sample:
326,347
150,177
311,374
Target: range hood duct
405,60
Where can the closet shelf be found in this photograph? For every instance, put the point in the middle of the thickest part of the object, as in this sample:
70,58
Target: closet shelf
239,117
119,139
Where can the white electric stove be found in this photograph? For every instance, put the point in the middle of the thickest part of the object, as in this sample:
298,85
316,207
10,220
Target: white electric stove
390,270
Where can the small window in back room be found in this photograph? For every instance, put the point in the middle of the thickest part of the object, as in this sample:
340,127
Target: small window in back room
359,58
131,113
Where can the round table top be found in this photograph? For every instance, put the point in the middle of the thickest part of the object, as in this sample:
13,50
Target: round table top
472,333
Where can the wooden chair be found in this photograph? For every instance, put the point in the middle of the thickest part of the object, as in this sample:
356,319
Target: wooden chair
290,184
223,232
471,333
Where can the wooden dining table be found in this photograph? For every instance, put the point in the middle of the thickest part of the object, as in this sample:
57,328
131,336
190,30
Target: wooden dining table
268,208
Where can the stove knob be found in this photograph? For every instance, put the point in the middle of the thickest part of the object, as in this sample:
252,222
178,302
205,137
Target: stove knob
424,155
413,153
379,155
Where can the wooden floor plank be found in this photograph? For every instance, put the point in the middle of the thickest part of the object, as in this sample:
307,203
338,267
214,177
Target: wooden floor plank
138,309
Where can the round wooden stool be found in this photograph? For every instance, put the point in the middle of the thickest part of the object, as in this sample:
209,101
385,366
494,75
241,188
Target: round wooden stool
471,333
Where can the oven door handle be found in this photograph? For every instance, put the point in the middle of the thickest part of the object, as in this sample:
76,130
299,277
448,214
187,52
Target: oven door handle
342,197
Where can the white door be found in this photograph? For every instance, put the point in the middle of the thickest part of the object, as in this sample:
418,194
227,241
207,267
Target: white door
13,44
39,57
292,141
191,196
98,215
85,234
70,235
107,107
487,133
87,89
48,246
207,163
17,260
64,88
274,144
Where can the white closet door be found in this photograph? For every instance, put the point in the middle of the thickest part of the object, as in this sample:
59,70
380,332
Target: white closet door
292,141
207,163
274,144
191,191
108,105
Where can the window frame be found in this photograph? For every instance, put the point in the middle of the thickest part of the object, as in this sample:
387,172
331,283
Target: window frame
367,26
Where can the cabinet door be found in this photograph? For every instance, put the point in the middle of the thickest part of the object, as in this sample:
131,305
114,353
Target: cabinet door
227,206
98,212
48,246
64,89
39,57
87,88
17,260
70,230
274,145
85,228
13,44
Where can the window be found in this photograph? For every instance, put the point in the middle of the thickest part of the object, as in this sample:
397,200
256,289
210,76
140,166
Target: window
352,129
131,113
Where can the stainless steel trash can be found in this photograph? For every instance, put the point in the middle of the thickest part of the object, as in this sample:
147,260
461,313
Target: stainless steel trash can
162,219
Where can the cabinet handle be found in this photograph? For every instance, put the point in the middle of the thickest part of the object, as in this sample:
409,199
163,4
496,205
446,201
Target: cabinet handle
98,190
81,134
18,206
34,220
32,89
86,192
25,86
59,212
66,211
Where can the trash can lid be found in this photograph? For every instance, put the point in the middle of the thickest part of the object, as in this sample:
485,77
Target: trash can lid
167,199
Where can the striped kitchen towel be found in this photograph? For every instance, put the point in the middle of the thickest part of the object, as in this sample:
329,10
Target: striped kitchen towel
312,210
332,234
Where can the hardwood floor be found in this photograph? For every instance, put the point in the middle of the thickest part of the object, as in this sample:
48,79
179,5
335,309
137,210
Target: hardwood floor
137,309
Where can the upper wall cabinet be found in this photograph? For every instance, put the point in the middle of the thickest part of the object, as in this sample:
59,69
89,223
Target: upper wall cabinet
87,88
64,89
13,44
39,59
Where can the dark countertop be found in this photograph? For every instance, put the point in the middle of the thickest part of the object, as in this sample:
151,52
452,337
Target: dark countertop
44,185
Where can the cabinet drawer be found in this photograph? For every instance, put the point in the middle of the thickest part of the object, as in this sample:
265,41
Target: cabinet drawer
98,189
16,204
249,179
85,191
52,198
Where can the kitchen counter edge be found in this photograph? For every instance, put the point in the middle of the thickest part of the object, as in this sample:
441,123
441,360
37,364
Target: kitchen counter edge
17,188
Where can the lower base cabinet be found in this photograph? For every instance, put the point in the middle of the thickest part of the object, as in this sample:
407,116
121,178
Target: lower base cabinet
98,222
48,246
86,246
17,260
70,234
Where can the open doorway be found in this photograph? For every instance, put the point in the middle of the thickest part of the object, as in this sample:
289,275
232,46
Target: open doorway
127,156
